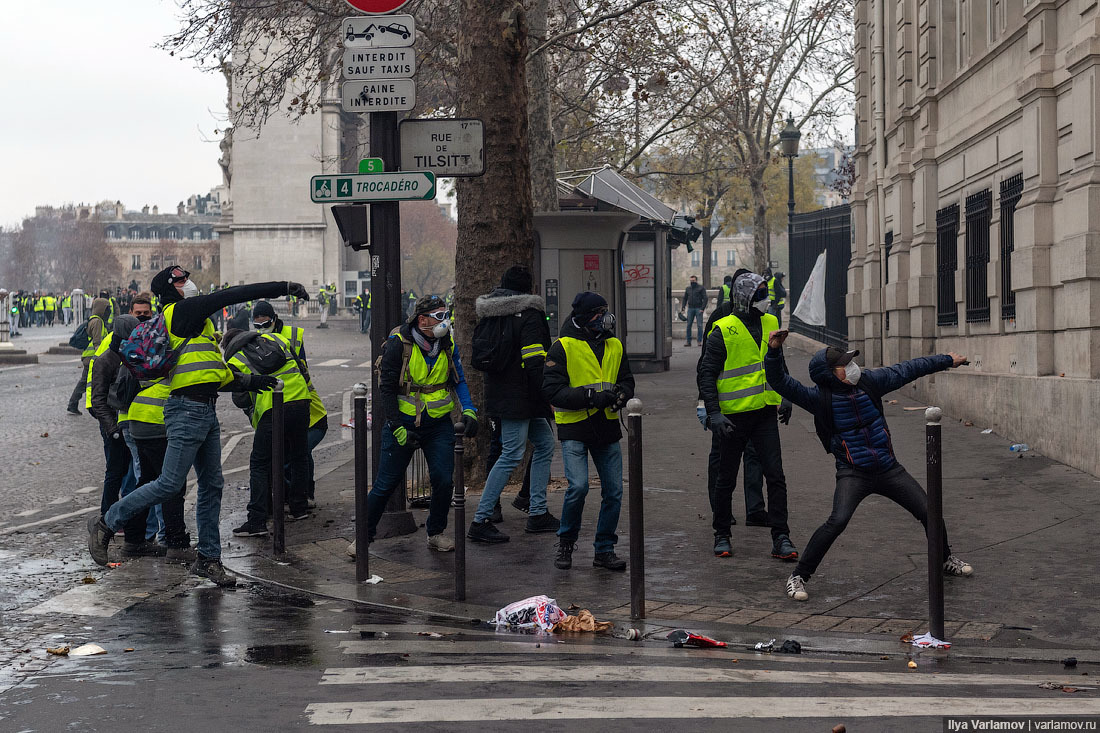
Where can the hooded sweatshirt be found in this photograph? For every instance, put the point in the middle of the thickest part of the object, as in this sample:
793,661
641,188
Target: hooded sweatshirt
97,327
516,392
860,437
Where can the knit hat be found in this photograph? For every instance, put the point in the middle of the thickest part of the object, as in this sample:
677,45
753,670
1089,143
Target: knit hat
587,302
163,285
517,278
263,308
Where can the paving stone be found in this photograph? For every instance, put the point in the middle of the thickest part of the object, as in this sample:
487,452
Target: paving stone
677,610
978,630
818,623
897,626
708,613
780,620
857,625
744,616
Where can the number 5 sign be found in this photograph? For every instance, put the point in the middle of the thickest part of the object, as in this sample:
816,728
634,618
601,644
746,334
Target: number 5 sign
377,7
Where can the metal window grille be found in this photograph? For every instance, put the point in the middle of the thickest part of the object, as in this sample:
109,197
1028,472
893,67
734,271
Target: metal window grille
979,209
889,246
1011,190
947,232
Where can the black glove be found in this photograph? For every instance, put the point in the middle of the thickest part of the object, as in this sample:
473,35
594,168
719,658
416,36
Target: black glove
261,382
620,398
785,410
720,425
469,419
601,400
297,290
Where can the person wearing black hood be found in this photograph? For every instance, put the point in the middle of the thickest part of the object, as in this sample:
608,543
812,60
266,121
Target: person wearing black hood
191,421
740,406
847,407
587,380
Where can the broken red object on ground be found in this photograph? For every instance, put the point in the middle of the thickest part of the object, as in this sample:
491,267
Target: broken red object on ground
680,638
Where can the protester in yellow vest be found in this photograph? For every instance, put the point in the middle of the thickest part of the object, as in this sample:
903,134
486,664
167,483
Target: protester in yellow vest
191,422
777,294
97,327
740,406
587,380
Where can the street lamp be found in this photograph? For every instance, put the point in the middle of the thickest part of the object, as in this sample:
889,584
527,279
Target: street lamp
788,148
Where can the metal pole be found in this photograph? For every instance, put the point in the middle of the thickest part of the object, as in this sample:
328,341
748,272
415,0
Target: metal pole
790,206
5,316
278,493
458,500
932,417
637,519
362,450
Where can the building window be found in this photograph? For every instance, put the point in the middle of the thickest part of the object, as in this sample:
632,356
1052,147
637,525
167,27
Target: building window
198,262
731,258
214,235
135,233
170,260
713,258
213,261
196,235
695,258
172,233
154,262
1011,190
978,212
152,234
889,246
947,257
135,262
112,233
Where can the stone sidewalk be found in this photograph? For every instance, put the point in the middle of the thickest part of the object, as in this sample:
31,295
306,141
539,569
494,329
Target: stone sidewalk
1022,520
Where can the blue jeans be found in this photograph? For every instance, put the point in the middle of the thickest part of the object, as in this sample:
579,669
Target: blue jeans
194,439
436,438
514,436
117,459
695,314
608,460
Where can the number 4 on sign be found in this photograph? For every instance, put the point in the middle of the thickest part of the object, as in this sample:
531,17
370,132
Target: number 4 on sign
343,187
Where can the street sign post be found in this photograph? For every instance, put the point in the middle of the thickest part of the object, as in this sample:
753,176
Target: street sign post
383,95
391,31
446,147
379,63
377,7
393,186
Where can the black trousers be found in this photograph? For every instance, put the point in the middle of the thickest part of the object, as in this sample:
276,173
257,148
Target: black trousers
81,386
762,428
151,457
295,453
852,487
754,476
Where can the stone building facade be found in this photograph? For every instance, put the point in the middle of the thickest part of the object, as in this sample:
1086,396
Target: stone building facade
976,213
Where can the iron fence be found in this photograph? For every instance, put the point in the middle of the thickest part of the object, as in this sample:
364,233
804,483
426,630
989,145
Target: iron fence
830,231
979,210
947,261
1012,189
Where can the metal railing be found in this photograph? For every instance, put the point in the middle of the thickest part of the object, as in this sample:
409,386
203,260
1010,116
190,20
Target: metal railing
830,231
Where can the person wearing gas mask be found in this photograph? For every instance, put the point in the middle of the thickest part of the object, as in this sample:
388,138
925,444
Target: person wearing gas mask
847,407
740,407
587,380
423,390
190,416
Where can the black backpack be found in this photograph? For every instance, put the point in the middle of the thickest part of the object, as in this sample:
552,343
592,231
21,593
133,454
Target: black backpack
123,391
493,347
80,338
823,424
264,356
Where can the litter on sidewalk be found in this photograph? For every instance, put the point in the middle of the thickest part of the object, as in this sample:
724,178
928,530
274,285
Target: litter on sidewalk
927,641
583,621
681,638
87,650
540,611
763,646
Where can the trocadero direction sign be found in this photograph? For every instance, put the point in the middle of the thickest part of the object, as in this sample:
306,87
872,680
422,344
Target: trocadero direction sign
377,7
367,187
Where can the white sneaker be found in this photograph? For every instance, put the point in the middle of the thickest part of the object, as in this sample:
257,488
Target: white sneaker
441,543
796,588
955,565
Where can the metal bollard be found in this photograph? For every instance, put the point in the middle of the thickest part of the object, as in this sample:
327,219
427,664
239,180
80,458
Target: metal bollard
637,518
278,488
458,501
936,559
362,452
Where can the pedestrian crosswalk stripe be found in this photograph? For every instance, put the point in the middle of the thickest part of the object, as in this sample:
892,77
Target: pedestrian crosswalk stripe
87,490
547,646
490,673
390,712
365,365
333,362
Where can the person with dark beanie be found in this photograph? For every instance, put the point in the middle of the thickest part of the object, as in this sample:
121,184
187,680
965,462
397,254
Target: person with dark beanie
190,417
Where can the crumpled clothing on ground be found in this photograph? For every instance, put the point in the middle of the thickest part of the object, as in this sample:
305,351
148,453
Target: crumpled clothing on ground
583,621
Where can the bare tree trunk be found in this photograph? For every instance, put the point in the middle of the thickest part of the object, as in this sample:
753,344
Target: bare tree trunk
759,221
544,189
495,214
708,246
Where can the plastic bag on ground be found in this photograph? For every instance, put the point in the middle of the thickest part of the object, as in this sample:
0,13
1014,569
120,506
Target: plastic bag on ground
926,641
583,621
539,611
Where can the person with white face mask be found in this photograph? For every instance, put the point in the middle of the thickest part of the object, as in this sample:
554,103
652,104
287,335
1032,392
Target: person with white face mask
848,415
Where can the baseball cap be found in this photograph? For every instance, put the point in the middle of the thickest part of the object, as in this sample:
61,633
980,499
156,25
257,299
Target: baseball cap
835,357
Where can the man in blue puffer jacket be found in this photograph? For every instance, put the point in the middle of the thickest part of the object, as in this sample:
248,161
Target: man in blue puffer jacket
847,409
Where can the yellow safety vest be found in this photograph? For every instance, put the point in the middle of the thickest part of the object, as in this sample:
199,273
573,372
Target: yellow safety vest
726,293
422,389
294,384
40,305
89,350
317,411
771,293
295,337
584,371
200,361
103,346
148,405
741,385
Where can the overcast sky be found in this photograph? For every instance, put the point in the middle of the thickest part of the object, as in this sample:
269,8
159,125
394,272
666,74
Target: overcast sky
92,111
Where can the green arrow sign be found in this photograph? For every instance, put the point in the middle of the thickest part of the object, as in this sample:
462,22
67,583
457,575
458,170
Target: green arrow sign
392,186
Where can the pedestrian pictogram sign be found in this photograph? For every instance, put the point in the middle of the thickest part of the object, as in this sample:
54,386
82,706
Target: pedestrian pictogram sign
377,7
393,186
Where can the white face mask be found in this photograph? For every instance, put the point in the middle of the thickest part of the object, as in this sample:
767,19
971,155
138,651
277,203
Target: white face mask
190,289
852,372
762,305
441,329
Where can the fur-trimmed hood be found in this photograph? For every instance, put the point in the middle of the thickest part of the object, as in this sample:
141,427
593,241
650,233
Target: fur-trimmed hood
504,302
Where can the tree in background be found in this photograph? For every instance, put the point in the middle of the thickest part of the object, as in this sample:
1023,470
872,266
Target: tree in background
428,239
61,253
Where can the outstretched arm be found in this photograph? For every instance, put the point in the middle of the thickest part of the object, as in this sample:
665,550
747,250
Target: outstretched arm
887,379
789,388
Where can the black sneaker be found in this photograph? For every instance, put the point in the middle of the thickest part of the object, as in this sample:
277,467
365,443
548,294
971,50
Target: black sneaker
251,529
292,517
722,546
538,523
72,410
784,549
757,519
143,549
609,560
486,532
497,516
182,555
523,506
563,560
99,539
212,569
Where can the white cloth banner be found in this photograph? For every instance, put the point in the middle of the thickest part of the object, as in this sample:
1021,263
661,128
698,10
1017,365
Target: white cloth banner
811,303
